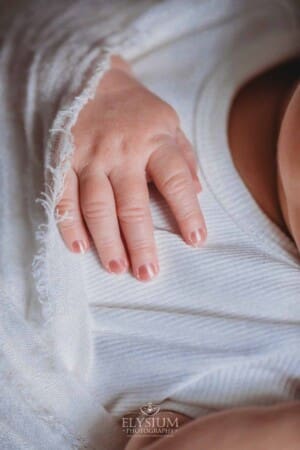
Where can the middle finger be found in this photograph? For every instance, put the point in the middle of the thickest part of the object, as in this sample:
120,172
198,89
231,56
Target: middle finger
132,203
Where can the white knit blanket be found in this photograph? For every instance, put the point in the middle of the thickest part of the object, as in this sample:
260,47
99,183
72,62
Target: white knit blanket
53,55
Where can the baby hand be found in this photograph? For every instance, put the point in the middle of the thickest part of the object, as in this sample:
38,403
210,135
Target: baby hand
123,138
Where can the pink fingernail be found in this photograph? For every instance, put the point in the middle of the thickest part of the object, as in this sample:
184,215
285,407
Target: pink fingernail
147,271
79,247
197,237
117,265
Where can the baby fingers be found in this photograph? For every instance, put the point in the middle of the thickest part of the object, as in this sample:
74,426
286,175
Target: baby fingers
70,223
100,215
132,202
170,172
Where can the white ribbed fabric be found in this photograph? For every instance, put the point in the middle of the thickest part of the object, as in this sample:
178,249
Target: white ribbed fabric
219,327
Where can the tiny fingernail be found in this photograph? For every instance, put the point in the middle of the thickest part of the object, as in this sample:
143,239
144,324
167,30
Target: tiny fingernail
197,237
79,247
147,271
117,265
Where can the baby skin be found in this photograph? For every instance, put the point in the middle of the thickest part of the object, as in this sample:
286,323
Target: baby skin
124,138
252,428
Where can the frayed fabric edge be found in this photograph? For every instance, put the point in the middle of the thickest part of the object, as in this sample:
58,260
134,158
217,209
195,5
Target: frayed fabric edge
61,143
59,152
61,140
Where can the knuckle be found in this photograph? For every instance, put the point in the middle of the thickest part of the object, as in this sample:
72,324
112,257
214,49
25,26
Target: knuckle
141,245
108,140
67,224
113,138
65,205
106,242
124,146
187,213
66,214
176,184
96,211
131,214
159,141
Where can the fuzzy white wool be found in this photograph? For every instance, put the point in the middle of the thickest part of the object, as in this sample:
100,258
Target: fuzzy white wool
220,326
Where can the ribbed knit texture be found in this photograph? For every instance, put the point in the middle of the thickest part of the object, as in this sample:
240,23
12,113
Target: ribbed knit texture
219,327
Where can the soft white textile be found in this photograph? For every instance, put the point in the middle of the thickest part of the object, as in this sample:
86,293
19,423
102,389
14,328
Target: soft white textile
220,326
